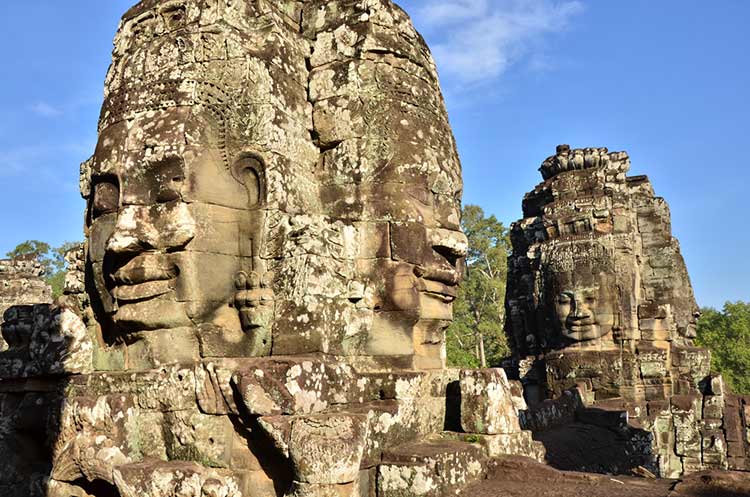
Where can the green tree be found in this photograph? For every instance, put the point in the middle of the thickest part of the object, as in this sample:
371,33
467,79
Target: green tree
40,251
52,259
727,335
476,337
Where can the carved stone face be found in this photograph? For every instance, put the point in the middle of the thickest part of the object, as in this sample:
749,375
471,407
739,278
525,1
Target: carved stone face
584,305
171,227
409,196
242,188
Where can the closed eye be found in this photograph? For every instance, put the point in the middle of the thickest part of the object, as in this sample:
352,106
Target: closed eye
105,196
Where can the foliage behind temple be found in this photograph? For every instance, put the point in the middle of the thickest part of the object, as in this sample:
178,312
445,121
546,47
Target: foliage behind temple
476,338
727,334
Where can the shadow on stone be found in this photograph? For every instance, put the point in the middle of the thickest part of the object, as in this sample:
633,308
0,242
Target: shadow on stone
30,410
453,407
578,438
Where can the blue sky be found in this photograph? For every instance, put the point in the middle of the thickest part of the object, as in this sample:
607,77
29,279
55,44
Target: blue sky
667,81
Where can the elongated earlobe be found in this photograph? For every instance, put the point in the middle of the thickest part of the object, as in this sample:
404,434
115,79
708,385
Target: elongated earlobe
249,170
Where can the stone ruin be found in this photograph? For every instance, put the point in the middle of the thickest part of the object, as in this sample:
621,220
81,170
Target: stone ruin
272,252
21,284
602,320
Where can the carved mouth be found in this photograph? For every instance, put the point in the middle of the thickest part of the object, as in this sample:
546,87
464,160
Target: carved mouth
438,290
580,322
145,268
144,277
581,327
143,291
448,277
582,331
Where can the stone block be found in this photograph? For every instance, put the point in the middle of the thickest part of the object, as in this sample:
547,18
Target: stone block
196,437
514,444
487,406
328,449
317,490
651,310
714,449
713,407
692,464
174,479
736,449
433,468
293,385
368,479
670,466
733,426
717,385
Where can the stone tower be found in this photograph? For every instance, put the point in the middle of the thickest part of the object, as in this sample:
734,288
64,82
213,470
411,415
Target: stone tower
599,299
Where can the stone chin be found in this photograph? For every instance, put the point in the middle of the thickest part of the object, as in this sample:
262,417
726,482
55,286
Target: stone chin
437,289
436,300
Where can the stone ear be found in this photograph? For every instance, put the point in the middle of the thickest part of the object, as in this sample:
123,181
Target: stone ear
249,170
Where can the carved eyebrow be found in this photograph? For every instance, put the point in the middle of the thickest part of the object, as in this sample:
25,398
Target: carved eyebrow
98,178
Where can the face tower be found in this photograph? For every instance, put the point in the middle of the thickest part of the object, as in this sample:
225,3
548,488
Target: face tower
599,299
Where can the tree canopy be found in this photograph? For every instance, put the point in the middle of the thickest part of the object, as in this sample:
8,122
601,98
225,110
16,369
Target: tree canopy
40,250
726,334
476,337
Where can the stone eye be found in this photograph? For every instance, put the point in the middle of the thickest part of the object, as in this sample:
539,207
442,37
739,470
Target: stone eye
563,299
169,176
106,197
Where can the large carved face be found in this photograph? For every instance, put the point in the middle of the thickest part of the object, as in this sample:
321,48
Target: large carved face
584,303
172,224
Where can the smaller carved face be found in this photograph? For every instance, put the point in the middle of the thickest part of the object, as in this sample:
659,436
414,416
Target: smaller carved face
584,305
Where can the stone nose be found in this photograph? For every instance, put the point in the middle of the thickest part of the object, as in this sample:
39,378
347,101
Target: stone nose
159,227
580,309
451,245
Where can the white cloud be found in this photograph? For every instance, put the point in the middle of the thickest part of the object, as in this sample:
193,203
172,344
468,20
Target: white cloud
477,40
46,110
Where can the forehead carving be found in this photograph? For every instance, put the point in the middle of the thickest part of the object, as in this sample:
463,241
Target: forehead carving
583,257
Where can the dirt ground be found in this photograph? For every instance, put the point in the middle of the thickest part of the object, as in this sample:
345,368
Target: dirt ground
521,477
